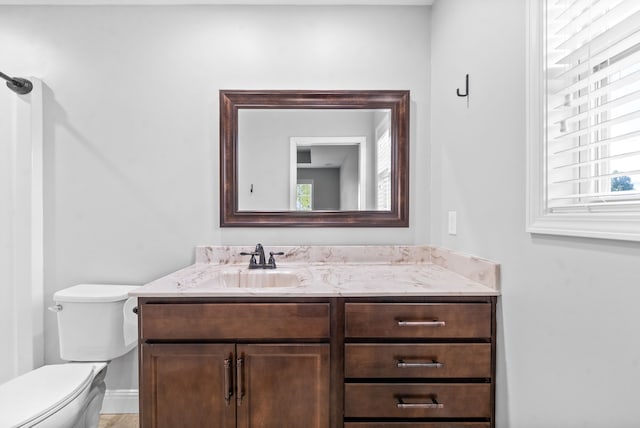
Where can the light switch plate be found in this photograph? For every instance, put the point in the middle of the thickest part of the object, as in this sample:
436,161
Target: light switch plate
453,220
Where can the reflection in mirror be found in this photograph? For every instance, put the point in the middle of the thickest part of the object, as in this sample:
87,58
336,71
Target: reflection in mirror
332,170
314,158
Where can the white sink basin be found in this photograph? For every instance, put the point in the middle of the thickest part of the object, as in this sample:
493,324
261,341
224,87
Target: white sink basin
260,278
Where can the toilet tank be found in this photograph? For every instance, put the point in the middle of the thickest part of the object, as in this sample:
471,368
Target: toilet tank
92,324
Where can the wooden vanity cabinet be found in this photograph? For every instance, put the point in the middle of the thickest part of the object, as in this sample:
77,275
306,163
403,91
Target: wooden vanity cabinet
419,363
268,372
318,363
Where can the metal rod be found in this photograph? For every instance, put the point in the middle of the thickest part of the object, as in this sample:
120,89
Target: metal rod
428,364
434,323
239,381
17,84
228,375
5,77
432,405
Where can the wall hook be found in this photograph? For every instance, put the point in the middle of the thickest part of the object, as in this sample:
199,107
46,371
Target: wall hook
251,190
466,93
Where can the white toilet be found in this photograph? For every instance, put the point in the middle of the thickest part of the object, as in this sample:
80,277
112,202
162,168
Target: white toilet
93,329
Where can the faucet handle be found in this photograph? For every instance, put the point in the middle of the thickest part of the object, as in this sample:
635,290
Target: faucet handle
272,261
253,254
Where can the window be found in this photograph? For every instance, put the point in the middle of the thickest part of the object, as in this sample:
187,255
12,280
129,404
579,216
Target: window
304,195
584,118
383,165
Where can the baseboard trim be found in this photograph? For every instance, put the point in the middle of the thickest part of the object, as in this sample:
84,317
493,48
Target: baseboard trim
118,401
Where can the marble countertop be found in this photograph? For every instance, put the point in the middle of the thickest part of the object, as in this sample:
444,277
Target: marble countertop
330,271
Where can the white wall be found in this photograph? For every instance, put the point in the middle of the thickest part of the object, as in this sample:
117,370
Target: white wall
21,234
350,179
131,124
8,318
569,341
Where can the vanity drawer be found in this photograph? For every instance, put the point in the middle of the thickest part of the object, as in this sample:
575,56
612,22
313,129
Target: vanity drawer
418,320
419,400
227,321
417,425
442,360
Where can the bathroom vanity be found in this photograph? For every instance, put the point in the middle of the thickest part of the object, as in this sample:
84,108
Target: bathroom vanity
354,337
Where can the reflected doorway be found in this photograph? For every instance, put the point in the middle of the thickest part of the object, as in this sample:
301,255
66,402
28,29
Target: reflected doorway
332,168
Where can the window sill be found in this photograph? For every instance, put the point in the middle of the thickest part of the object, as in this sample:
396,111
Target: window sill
618,226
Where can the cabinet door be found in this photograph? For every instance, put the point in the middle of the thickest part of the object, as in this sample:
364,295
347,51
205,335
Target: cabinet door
283,386
187,386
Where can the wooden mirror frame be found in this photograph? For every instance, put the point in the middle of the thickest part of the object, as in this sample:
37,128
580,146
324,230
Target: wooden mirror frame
396,101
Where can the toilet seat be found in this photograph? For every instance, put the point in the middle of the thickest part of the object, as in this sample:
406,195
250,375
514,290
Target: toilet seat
42,392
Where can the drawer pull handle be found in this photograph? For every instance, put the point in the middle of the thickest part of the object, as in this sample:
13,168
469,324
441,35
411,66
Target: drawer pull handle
432,405
433,323
228,388
433,364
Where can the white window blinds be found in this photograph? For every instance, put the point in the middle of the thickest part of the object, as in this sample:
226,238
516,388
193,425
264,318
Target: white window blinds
592,141
383,171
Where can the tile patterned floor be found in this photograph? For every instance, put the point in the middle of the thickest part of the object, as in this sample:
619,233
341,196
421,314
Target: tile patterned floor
119,421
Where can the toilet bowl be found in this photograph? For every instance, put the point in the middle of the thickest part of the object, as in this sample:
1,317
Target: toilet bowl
93,329
51,396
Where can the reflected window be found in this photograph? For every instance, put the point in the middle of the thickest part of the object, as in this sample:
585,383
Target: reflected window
304,195
383,167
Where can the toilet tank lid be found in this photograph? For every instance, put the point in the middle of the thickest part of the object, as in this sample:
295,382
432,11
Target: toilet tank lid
94,293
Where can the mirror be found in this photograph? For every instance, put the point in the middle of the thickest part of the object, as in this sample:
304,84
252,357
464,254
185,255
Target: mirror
314,158
317,160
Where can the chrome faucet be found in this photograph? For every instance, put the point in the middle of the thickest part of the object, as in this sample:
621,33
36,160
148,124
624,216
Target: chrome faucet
262,262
